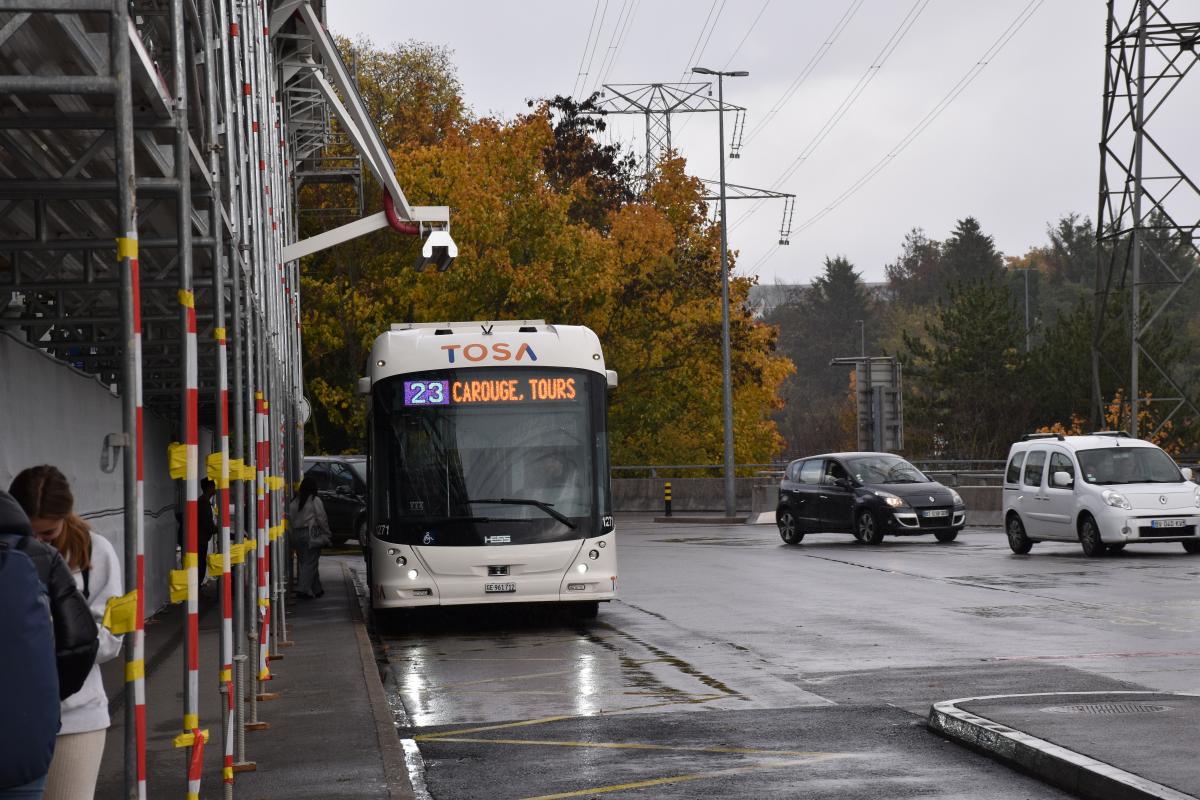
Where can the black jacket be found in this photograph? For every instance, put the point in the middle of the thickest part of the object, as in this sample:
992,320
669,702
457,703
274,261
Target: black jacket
76,638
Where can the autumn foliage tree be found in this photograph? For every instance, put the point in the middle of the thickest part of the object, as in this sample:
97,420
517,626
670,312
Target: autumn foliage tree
548,226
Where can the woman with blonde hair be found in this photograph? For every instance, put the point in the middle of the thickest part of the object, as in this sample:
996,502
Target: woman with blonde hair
45,495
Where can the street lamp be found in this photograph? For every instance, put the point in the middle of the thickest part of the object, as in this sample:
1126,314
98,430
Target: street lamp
727,387
1026,270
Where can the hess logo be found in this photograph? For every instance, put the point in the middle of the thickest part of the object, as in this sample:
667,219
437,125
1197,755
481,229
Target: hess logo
500,351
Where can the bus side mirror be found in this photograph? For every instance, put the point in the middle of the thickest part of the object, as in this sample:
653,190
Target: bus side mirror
364,385
612,378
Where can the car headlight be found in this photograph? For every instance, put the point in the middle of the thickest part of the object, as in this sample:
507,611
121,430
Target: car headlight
1116,499
956,497
892,500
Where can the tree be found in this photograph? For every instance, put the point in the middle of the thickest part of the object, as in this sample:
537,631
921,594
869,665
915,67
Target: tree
969,256
819,323
915,277
966,395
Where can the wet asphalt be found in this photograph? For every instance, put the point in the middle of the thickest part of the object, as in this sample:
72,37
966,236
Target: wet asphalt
736,666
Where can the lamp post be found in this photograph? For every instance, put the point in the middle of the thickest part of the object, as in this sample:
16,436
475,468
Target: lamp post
727,387
862,337
1027,331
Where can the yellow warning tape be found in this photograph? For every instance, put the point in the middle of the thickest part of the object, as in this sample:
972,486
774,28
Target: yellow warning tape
186,298
213,466
120,613
226,675
264,673
218,333
275,531
126,248
190,722
188,739
264,602
135,670
216,565
179,585
177,460
191,560
227,773
275,483
237,554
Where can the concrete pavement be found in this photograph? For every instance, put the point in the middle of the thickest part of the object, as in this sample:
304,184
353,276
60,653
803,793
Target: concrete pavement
331,734
1101,745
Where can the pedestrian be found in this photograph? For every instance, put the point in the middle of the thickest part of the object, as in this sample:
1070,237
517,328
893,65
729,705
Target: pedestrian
206,524
45,495
75,632
29,682
310,532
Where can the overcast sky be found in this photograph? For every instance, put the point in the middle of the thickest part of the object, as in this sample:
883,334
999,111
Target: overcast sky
1016,149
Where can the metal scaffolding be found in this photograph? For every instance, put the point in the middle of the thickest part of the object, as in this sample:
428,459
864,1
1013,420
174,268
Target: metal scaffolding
150,152
1148,206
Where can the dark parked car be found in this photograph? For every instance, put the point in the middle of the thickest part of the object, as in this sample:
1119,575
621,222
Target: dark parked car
867,494
342,487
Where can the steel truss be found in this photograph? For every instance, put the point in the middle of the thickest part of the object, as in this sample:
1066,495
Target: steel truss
149,155
1148,205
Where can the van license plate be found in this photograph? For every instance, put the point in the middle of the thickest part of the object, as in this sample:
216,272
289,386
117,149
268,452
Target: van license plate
1167,523
937,512
499,587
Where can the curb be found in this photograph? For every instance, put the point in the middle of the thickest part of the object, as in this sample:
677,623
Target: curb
391,750
1066,769
704,520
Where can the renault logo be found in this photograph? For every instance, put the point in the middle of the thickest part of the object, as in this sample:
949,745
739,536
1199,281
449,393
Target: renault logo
1162,499
931,499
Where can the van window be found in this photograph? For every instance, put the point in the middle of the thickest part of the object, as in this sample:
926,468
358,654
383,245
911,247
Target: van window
810,472
793,471
1060,462
1033,467
1014,468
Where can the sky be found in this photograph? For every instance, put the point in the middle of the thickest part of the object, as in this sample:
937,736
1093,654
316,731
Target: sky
1015,147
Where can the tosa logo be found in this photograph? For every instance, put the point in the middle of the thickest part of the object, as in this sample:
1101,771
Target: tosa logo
500,351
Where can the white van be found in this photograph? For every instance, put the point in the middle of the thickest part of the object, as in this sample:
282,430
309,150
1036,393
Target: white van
1104,490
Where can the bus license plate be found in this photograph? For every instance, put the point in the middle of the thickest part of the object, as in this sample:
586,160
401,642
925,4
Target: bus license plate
499,587
1167,523
937,512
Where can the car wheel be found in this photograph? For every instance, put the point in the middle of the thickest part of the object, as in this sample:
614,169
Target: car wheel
1115,548
1192,547
1089,538
946,536
867,528
789,528
1017,540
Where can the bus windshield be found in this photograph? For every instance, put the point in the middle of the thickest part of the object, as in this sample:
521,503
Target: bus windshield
489,456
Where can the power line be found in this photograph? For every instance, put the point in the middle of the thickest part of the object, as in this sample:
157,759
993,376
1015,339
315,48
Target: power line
799,80
749,30
843,108
703,28
595,45
957,89
579,73
711,31
616,42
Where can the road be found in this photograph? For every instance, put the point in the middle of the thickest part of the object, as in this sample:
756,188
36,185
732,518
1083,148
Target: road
735,666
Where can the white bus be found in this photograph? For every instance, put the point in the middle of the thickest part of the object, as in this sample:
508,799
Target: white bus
488,466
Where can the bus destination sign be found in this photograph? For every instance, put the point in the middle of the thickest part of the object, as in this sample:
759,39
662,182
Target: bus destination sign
479,391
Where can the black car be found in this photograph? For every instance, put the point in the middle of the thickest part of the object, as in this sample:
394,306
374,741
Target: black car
342,487
867,494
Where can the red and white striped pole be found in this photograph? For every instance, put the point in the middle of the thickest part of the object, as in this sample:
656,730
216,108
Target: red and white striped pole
263,548
191,713
226,677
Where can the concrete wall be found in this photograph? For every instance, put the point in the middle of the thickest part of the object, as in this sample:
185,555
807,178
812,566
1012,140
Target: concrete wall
51,414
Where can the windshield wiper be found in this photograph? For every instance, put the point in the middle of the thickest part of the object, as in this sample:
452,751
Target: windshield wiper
518,501
443,518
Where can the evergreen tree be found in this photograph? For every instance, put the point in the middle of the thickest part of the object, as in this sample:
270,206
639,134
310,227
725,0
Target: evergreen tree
914,279
970,256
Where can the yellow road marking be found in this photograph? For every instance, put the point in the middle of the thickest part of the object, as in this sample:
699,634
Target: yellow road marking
502,678
695,776
427,736
744,751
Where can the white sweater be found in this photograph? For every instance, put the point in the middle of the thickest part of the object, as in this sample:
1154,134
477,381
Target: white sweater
87,709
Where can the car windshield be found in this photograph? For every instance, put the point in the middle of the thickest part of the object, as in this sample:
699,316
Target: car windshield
884,469
1107,466
360,469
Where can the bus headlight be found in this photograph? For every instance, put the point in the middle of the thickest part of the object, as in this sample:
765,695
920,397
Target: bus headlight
401,561
581,568
412,574
593,554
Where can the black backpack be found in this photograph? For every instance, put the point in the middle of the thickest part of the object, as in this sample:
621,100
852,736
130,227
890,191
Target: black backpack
28,675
